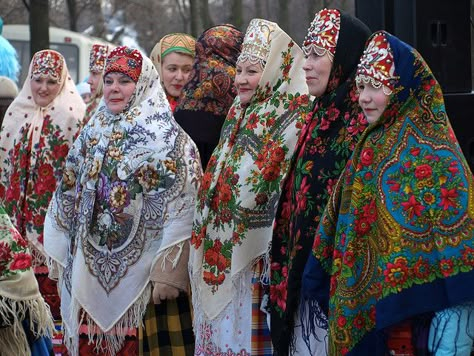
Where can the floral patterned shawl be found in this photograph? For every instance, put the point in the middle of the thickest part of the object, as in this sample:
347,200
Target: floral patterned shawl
324,146
127,195
241,185
210,92
34,143
20,298
397,236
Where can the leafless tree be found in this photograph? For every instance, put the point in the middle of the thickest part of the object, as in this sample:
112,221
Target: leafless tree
39,24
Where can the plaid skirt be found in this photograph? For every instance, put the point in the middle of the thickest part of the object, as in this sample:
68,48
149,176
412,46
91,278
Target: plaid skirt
167,331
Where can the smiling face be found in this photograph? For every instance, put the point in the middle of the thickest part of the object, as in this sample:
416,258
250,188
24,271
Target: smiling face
44,90
373,101
317,70
247,79
118,89
176,71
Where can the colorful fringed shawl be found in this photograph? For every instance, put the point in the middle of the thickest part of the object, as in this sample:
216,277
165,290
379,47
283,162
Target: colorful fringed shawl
210,92
127,195
34,142
325,144
397,237
20,299
239,192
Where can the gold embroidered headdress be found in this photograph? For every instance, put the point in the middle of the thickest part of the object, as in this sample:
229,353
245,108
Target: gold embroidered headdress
256,46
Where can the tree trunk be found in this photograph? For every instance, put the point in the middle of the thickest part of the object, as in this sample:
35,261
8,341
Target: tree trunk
258,9
206,17
194,9
72,11
313,7
283,18
237,16
39,26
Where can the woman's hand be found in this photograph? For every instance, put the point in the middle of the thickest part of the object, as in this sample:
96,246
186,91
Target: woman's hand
163,291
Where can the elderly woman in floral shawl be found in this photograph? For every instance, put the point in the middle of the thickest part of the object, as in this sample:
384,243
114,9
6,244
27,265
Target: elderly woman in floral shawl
118,224
240,189
395,246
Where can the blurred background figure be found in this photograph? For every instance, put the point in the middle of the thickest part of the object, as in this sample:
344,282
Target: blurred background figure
173,58
8,92
9,64
84,90
210,92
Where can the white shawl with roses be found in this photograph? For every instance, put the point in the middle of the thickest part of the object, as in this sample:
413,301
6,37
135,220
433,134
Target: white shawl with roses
127,195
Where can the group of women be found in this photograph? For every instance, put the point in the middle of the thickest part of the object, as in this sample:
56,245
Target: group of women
237,195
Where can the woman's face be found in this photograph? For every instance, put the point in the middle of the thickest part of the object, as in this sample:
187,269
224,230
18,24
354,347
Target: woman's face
44,90
317,70
247,79
373,101
94,80
118,89
176,71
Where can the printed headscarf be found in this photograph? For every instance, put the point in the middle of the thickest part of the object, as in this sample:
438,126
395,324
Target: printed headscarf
34,144
20,298
127,194
211,88
241,185
323,148
399,225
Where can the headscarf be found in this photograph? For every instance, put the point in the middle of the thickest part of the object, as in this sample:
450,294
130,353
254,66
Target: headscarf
34,142
397,237
127,195
323,148
241,186
173,42
209,94
97,58
20,298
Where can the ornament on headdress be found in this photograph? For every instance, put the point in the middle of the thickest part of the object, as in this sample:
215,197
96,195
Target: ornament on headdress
47,64
178,42
377,64
256,45
125,60
98,56
323,34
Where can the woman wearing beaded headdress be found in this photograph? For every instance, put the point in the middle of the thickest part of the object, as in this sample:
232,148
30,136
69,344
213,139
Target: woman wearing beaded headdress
210,92
36,134
119,223
97,58
394,249
240,189
332,47
173,58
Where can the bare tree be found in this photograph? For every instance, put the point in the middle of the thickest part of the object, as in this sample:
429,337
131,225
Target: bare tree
237,14
72,10
39,25
195,23
205,15
258,8
283,16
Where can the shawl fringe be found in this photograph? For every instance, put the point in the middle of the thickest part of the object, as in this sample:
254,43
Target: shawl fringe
312,319
13,340
110,342
174,261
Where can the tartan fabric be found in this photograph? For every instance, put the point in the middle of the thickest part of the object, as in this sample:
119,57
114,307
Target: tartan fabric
171,334
261,340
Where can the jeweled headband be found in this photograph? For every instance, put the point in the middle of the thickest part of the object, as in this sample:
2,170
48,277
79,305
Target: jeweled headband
125,60
376,64
47,64
323,33
256,45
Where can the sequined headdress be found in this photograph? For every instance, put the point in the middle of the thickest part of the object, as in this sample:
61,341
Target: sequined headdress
98,56
256,46
323,33
376,64
125,60
47,64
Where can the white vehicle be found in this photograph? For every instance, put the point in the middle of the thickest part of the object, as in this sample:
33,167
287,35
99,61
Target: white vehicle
74,46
